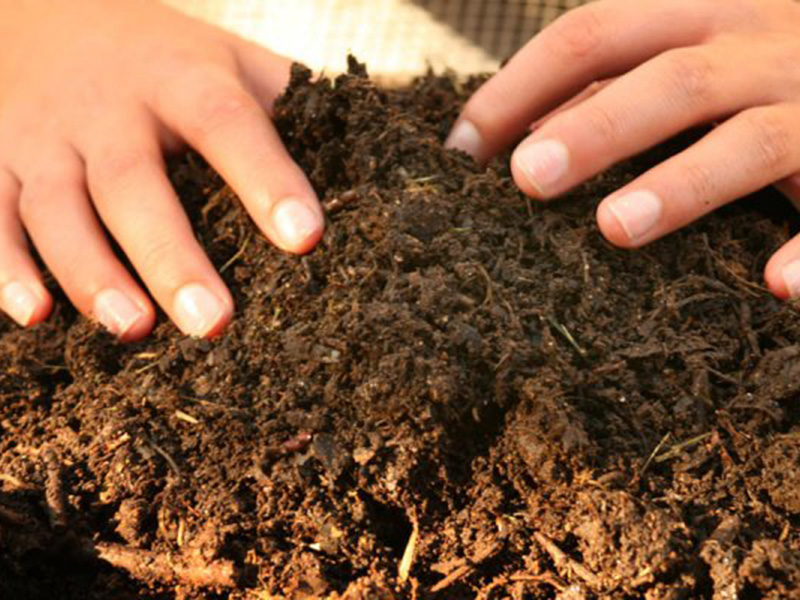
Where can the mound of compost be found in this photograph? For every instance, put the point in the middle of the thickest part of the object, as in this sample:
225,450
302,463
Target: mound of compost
458,394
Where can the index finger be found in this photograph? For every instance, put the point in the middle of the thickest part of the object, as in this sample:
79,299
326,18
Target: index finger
587,44
214,113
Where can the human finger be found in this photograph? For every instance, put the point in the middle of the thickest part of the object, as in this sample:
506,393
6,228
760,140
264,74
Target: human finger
215,114
782,272
664,96
265,73
22,295
137,204
588,92
588,43
59,219
749,151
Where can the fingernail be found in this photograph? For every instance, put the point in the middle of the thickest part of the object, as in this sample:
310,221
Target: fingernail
116,312
466,137
295,222
791,277
543,163
197,310
637,212
20,302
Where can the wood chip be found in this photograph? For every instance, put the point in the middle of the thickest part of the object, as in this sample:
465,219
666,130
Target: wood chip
179,414
148,566
409,555
563,561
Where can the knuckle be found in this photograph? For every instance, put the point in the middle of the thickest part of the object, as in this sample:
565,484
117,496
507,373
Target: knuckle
220,108
576,34
29,205
157,252
689,76
117,165
701,183
604,122
751,12
770,140
214,107
39,191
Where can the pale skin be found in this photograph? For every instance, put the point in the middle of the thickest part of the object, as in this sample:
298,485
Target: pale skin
615,77
94,93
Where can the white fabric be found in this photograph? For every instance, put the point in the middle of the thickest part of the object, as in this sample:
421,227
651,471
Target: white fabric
396,38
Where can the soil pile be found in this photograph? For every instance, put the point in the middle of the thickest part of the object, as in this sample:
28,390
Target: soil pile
458,394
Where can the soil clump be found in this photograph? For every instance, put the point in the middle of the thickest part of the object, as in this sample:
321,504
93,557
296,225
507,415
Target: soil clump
458,394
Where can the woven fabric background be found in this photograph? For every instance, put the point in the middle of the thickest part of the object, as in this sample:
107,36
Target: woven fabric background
397,38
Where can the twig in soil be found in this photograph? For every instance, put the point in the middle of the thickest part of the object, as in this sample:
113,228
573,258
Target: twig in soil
701,297
503,359
114,444
547,578
462,568
741,280
513,315
211,404
587,270
723,376
655,451
459,573
566,335
179,414
504,580
529,207
678,448
147,565
15,483
563,561
54,490
45,365
213,201
308,270
425,179
746,323
145,368
421,184
179,538
237,256
489,285
409,555
170,461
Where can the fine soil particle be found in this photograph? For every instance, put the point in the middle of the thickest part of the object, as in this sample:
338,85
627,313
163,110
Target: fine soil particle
458,394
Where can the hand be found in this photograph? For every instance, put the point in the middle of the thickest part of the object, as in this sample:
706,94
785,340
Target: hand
613,78
92,93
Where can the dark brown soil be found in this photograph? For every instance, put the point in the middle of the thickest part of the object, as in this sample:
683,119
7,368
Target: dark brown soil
458,394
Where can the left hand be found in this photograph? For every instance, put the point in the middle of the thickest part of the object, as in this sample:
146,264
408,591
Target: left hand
93,94
669,65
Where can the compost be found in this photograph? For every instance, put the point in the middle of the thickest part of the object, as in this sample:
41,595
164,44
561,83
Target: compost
460,393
